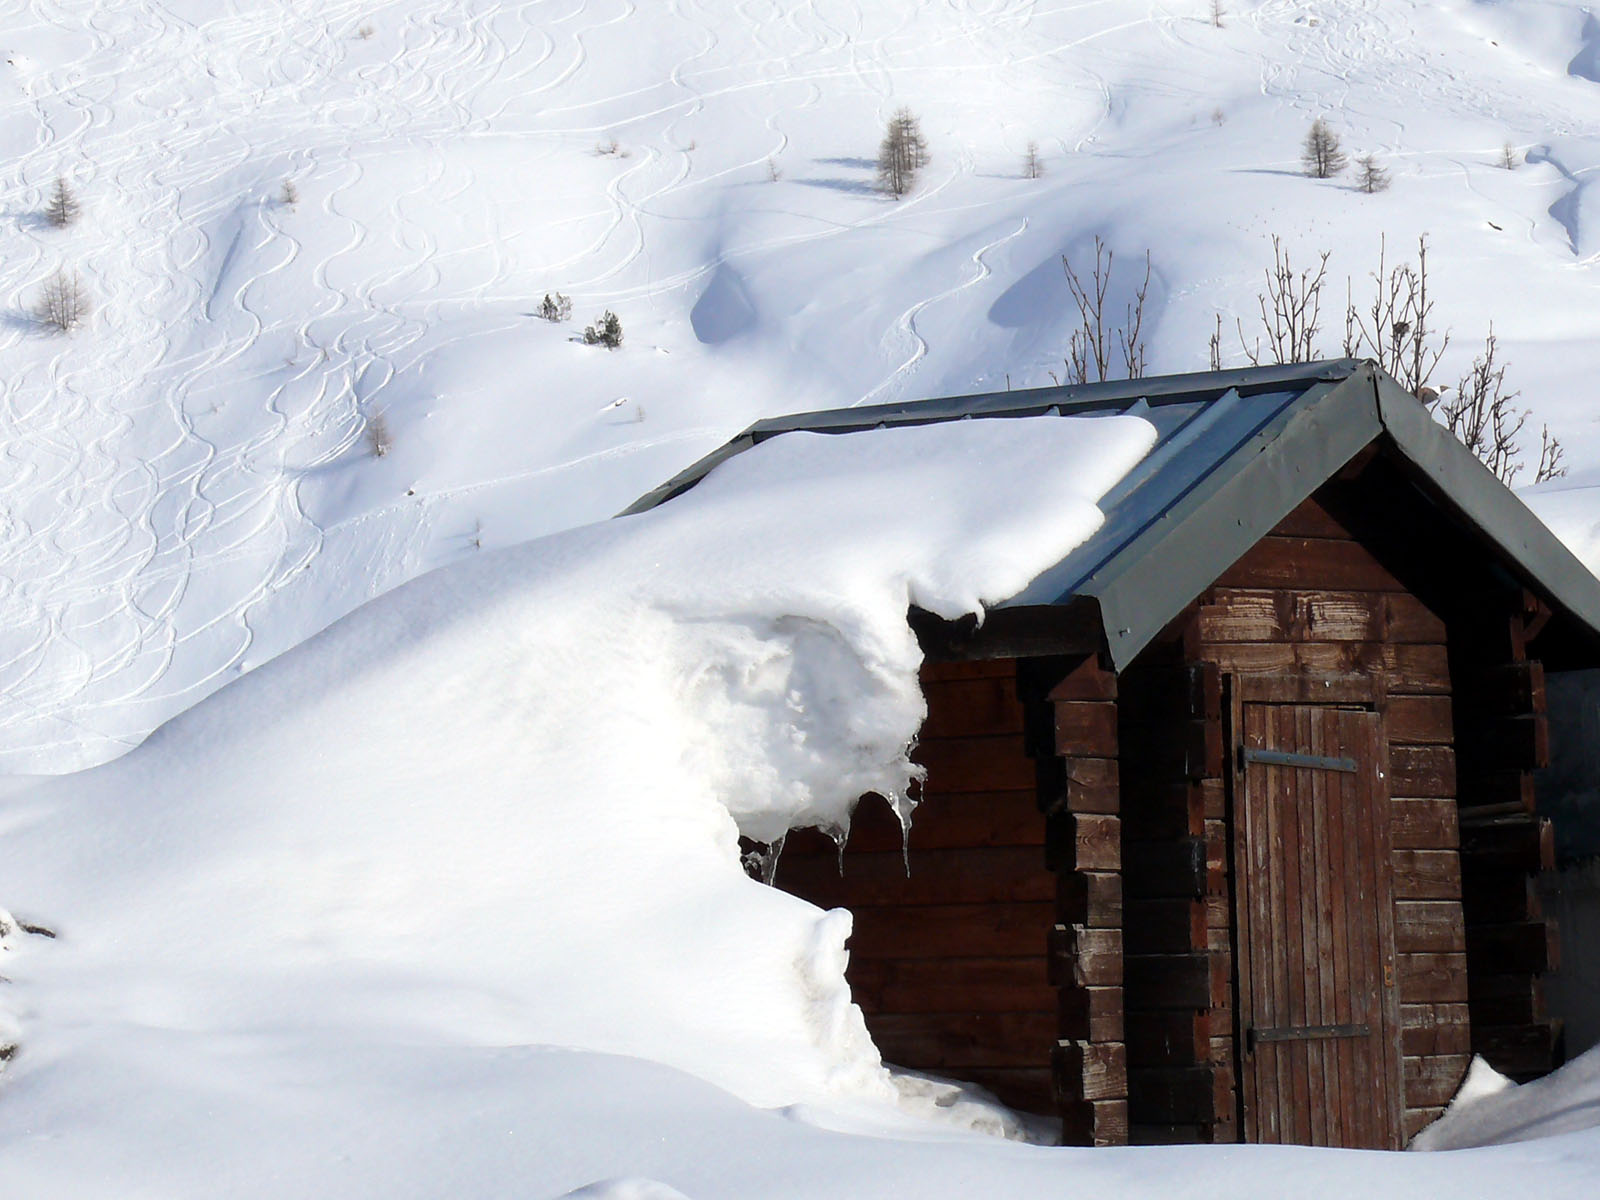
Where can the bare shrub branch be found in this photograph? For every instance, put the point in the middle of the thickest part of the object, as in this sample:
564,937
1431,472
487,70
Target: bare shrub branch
1095,343
1552,464
1291,311
1481,415
1395,331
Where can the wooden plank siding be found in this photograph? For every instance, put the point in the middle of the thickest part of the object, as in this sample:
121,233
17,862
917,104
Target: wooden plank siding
1310,616
951,964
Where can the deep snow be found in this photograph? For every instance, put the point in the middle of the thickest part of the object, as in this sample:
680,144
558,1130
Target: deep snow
448,899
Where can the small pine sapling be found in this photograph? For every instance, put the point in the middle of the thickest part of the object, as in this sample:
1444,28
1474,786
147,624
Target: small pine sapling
773,174
289,194
607,332
63,208
1552,458
1372,177
556,307
1321,153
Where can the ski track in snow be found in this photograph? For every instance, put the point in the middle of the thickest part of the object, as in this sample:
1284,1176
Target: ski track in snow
118,493
151,517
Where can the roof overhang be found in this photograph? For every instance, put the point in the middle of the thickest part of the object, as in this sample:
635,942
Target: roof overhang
1243,450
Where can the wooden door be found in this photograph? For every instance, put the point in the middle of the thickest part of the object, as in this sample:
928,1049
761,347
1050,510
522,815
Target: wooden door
1318,1036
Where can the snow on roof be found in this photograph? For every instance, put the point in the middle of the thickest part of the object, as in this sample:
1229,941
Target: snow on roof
1236,452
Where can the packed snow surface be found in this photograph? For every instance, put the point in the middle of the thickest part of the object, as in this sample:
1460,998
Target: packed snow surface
313,231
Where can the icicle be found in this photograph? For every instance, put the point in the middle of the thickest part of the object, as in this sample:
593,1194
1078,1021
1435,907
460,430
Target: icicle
769,860
840,835
903,807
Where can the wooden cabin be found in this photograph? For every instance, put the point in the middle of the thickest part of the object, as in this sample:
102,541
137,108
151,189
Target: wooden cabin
1229,830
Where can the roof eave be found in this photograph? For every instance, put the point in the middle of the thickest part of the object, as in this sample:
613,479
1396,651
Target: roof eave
1463,484
1155,576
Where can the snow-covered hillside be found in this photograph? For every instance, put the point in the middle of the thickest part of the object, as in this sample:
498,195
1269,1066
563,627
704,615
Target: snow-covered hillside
191,482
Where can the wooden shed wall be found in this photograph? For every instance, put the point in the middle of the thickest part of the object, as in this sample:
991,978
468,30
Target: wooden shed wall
1309,614
950,963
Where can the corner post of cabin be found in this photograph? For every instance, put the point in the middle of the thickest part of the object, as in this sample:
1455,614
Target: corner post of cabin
1502,737
1076,747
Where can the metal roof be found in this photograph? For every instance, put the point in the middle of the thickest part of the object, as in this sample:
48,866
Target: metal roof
1236,452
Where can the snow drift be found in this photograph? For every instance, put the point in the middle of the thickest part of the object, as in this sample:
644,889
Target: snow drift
1490,1110
500,806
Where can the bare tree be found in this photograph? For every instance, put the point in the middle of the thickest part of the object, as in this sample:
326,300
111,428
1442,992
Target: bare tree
63,208
1508,157
1291,311
289,194
380,440
1217,13
1215,345
1396,330
773,174
1372,177
902,153
63,304
1096,345
1321,153
1032,168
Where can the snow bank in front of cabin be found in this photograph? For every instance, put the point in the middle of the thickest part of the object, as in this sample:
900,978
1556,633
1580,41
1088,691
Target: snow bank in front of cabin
1490,1110
499,807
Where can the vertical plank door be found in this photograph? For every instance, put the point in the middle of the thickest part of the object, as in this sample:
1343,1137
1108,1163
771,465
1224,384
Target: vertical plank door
1318,1012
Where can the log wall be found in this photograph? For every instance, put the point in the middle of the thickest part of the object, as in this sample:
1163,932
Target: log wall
951,963
1072,717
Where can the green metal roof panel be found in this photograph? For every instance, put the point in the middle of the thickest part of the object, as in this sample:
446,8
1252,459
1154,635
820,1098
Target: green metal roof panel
1236,452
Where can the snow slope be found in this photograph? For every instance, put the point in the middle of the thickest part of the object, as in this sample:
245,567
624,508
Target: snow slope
499,807
190,483
448,901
